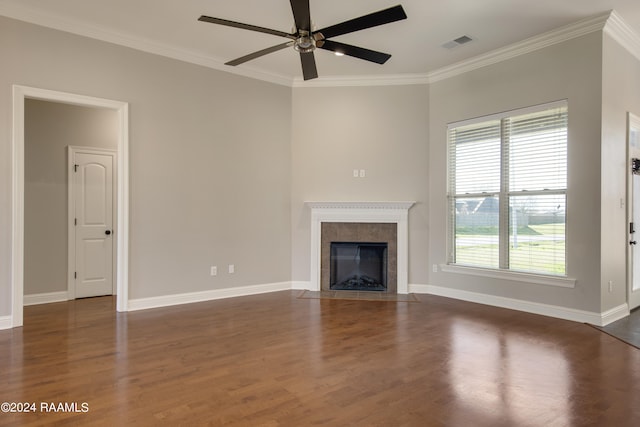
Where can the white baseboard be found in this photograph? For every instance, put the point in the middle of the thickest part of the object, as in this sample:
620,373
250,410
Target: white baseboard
35,299
176,299
301,285
614,314
6,322
598,319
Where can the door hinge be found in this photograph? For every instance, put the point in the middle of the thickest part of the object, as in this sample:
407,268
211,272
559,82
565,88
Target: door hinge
75,274
75,221
635,166
75,168
631,229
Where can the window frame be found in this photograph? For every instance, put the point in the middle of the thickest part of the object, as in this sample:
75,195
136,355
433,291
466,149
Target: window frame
504,194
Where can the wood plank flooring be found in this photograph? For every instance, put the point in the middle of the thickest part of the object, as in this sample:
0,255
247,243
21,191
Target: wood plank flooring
277,360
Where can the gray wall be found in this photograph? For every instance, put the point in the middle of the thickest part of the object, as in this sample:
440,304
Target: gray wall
383,130
49,128
221,165
209,154
620,94
571,70
401,141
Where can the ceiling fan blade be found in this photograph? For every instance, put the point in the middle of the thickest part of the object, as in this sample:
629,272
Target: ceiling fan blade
249,27
309,70
301,14
258,54
382,17
355,51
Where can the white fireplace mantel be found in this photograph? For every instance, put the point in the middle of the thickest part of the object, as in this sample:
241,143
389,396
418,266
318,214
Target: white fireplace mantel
392,212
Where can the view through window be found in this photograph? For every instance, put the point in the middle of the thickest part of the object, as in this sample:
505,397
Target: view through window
507,190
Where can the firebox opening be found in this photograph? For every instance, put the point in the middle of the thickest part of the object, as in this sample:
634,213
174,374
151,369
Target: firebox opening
358,266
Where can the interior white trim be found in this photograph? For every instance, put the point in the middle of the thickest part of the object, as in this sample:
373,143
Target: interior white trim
515,276
582,316
193,297
6,322
633,123
562,103
20,93
621,32
371,80
559,35
57,22
616,313
392,212
46,298
301,285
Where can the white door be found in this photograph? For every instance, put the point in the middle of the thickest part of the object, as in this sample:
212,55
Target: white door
634,214
93,203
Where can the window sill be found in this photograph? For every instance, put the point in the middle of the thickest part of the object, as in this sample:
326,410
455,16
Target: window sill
537,279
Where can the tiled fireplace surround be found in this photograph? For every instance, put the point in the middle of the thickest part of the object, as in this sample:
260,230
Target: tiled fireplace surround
359,232
357,222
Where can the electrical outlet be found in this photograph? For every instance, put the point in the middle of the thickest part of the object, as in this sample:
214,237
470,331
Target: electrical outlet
214,270
232,268
610,285
363,173
355,173
435,268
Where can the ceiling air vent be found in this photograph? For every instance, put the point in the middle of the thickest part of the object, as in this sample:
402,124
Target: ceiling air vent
457,42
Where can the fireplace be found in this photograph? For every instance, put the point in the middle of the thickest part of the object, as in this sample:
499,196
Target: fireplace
358,266
360,222
351,250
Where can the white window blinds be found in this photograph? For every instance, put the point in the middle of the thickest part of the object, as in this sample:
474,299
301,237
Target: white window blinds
507,190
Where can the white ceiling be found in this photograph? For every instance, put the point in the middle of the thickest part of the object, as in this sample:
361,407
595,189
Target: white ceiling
416,43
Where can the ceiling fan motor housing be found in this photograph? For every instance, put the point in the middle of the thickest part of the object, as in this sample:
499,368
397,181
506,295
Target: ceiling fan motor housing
305,43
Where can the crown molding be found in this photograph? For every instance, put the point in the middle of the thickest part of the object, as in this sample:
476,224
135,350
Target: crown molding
375,80
56,22
609,22
26,14
400,205
559,35
622,33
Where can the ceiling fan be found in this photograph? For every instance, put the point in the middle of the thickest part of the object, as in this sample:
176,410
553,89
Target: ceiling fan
305,39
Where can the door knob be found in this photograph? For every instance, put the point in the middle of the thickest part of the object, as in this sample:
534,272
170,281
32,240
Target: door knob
633,242
107,232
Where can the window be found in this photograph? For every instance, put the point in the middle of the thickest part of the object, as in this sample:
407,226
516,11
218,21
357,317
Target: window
508,190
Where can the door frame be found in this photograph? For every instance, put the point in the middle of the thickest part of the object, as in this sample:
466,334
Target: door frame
632,121
72,150
20,93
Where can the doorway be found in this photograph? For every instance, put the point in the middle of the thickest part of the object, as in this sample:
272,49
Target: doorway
121,234
633,190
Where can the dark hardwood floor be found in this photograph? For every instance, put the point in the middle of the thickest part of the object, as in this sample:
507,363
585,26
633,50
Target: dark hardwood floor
278,360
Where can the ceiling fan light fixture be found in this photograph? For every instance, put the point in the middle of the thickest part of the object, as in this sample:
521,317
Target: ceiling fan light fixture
305,43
